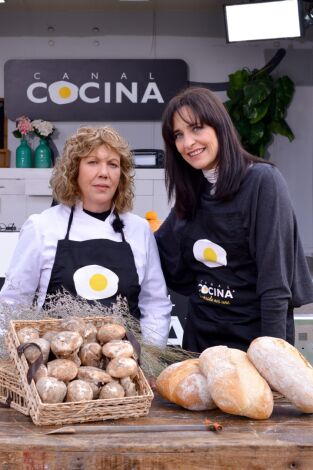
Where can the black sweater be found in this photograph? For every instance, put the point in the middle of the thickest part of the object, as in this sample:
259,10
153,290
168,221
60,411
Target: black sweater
258,230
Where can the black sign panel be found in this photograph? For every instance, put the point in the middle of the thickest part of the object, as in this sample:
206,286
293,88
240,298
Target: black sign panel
92,90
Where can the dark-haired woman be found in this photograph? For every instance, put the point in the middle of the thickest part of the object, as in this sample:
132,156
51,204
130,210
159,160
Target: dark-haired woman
231,241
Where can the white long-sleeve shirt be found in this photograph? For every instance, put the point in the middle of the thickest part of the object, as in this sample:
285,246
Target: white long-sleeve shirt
33,259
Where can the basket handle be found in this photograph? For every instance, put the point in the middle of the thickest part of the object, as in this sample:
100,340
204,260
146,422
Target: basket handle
35,365
135,344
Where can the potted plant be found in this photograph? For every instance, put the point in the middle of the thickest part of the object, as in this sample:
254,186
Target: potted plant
257,105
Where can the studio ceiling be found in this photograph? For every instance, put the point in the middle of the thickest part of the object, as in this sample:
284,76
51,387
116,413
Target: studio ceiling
57,5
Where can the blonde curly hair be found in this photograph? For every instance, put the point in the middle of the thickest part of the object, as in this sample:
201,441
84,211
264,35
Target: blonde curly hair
65,173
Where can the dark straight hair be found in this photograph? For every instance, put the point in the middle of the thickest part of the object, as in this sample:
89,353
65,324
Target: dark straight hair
182,180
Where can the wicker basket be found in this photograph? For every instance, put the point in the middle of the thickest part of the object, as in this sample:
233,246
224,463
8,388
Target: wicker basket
73,412
12,394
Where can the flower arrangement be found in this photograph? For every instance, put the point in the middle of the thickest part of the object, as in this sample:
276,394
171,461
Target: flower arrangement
43,129
24,126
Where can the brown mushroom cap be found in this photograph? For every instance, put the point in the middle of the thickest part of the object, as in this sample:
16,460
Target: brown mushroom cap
32,352
51,390
112,390
117,348
27,334
90,354
66,343
73,324
129,386
110,331
49,335
90,333
62,369
42,371
95,389
93,374
121,367
79,390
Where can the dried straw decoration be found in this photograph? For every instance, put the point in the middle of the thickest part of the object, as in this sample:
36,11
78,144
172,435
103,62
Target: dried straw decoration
152,361
61,306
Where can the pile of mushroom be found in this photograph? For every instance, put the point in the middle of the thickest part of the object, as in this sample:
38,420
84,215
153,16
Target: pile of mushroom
82,362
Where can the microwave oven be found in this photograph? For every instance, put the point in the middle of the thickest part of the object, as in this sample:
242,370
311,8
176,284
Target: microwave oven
148,158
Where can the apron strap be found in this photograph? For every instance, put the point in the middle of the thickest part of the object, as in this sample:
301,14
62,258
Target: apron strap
118,225
70,220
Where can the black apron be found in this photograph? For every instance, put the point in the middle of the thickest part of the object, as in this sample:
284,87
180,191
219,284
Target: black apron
224,308
117,257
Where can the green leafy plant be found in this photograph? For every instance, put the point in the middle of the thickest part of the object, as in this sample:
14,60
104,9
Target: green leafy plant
257,105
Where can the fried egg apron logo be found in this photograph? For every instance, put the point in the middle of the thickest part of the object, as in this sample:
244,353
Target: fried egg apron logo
95,282
209,253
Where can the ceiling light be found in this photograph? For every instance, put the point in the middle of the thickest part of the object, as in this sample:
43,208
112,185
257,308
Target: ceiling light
2,1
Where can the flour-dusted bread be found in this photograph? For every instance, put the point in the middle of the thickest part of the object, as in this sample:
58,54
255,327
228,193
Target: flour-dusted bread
182,383
234,383
285,369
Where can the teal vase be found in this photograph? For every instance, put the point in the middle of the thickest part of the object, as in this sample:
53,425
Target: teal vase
23,155
43,155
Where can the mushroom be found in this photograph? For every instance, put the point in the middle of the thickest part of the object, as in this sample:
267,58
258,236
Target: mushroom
117,348
62,369
129,386
90,354
51,390
79,390
66,344
73,324
90,333
27,334
42,371
32,352
49,335
93,374
112,390
110,331
121,367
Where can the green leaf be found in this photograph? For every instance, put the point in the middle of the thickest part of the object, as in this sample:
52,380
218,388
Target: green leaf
237,81
284,88
256,91
243,128
256,132
281,127
256,113
17,134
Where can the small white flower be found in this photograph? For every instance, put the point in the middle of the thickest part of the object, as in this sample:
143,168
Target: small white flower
43,128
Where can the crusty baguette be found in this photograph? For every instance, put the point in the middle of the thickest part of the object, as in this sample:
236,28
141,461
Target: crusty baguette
234,383
182,383
285,369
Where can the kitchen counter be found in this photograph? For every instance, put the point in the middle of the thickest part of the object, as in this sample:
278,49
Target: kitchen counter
285,441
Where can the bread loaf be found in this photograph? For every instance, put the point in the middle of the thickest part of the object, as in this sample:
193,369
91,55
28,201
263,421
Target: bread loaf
234,383
285,369
182,383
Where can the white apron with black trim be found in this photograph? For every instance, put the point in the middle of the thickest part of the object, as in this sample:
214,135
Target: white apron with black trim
96,269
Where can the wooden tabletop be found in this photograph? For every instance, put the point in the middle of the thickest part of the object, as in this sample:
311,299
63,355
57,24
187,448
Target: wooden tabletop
285,441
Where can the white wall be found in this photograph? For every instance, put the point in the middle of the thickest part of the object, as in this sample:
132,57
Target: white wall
189,35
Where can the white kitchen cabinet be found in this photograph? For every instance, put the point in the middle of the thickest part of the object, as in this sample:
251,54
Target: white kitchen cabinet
27,191
12,210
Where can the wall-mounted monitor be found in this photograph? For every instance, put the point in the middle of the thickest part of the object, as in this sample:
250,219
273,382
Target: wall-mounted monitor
263,20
